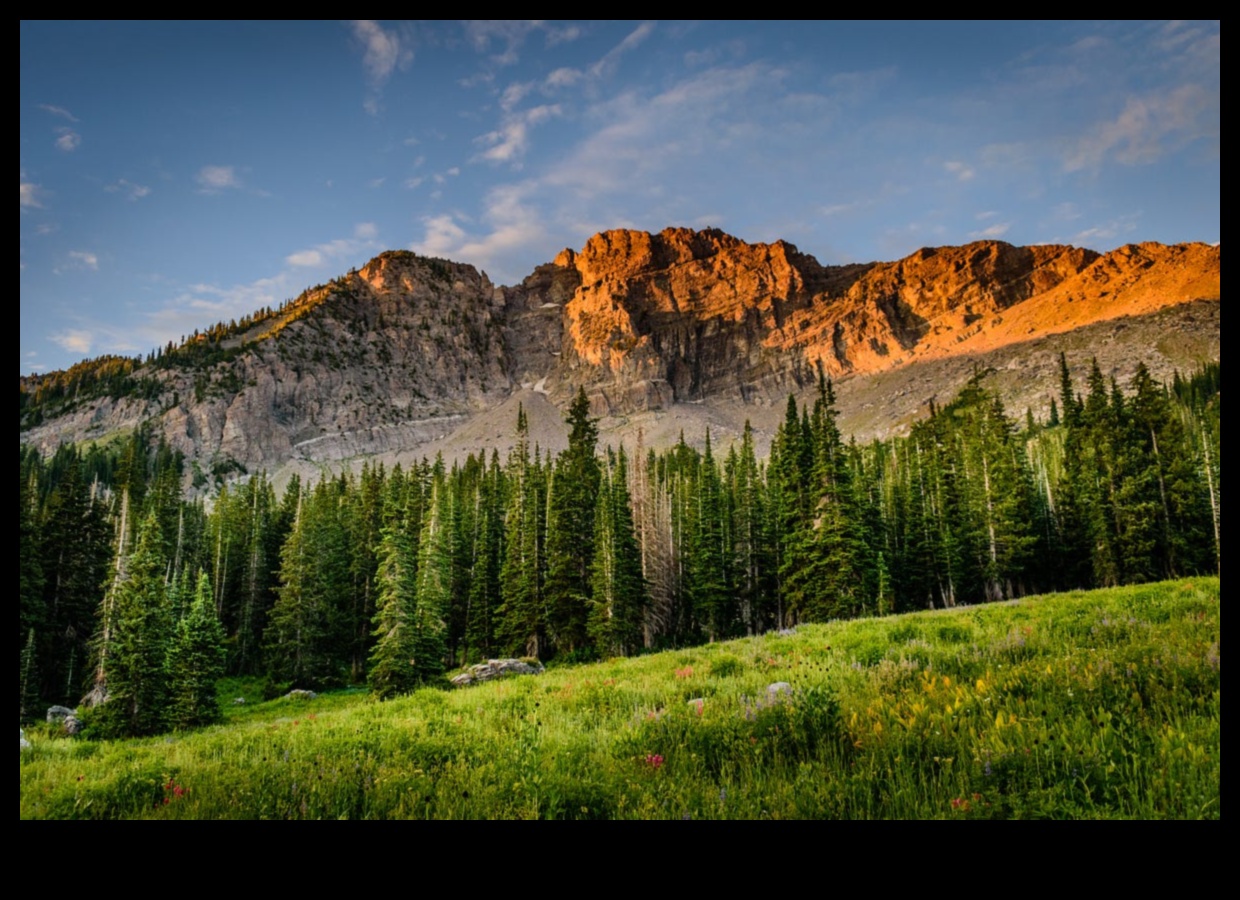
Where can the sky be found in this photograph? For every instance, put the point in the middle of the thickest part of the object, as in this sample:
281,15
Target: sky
178,174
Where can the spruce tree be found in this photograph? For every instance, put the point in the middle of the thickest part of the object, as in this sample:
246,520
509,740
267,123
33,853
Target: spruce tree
134,643
570,529
392,661
434,584
196,662
522,618
618,592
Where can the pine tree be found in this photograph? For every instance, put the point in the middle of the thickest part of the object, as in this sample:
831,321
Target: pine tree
708,582
522,618
29,684
392,663
196,662
618,592
570,529
134,643
434,584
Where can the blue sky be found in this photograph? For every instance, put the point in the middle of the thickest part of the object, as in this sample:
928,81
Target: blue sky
177,174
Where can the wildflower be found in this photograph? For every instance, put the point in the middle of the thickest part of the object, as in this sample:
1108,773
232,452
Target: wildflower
654,760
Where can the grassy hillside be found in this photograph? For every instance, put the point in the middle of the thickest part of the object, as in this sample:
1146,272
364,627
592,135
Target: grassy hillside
1101,704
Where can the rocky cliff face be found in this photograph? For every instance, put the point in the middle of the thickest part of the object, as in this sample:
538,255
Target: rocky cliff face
407,350
688,316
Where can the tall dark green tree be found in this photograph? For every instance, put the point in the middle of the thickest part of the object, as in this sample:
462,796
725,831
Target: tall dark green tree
393,660
618,592
133,641
522,614
570,529
196,662
433,592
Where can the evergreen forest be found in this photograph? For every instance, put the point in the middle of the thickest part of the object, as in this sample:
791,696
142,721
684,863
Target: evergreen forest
132,594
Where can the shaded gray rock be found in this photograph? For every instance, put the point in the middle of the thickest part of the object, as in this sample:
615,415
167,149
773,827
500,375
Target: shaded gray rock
59,714
779,690
238,701
299,694
72,725
497,668
24,743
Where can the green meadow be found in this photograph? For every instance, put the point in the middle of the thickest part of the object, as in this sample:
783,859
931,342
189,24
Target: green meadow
1101,704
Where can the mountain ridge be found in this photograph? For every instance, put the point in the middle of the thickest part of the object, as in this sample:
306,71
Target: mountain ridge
404,351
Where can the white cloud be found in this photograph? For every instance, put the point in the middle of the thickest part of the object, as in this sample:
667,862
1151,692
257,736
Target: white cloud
611,59
509,142
58,111
959,169
69,139
455,170
216,178
564,35
563,77
511,34
515,226
414,182
30,195
339,251
1147,127
85,259
514,94
382,52
1108,230
306,258
132,191
74,340
992,232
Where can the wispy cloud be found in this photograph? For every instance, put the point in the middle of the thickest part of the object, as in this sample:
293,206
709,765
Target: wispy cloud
991,232
961,171
337,251
1149,126
69,139
132,191
515,224
509,142
1109,230
85,259
30,195
213,179
383,52
75,340
564,35
511,34
58,111
611,59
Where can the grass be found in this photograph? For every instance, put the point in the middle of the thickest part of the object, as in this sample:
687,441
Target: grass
1084,705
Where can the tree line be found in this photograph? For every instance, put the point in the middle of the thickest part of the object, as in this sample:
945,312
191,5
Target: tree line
390,577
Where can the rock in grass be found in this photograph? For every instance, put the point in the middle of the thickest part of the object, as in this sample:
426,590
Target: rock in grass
778,690
238,701
299,694
72,725
25,744
59,714
498,668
